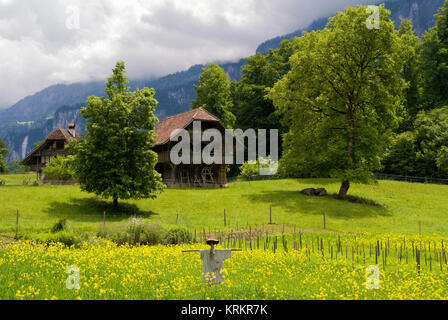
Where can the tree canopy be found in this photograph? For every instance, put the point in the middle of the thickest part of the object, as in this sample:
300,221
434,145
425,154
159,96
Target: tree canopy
422,151
3,156
435,62
59,168
214,94
341,97
251,105
115,159
412,74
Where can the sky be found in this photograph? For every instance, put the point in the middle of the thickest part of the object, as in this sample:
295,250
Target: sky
44,42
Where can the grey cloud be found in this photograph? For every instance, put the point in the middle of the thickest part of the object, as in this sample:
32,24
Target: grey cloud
154,37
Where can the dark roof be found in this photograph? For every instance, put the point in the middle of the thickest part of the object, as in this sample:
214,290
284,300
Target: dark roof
61,134
56,135
179,121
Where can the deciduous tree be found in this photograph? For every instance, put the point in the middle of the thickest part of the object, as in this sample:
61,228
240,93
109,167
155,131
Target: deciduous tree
214,94
341,97
115,159
435,62
3,155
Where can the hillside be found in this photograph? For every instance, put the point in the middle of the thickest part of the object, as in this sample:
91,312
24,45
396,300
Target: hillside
32,118
27,121
421,12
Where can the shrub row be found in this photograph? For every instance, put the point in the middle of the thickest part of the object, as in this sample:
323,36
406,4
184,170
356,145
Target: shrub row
139,232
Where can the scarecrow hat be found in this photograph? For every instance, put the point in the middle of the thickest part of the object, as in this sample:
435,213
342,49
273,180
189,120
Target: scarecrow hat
212,240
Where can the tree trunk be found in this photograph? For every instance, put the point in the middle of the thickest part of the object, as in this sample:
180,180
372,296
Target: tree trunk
115,203
343,190
351,136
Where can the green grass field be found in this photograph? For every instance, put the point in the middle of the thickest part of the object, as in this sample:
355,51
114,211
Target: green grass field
380,226
386,207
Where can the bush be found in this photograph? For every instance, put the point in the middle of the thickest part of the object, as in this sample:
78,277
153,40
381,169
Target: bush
65,237
2,182
102,233
154,233
119,237
178,235
27,182
249,169
16,167
61,225
139,232
134,230
252,168
59,168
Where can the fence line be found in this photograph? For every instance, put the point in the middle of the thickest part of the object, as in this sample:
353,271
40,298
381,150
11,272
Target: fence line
379,176
395,177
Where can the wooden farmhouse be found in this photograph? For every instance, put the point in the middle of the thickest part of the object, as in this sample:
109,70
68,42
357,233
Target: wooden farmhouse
188,175
52,146
182,175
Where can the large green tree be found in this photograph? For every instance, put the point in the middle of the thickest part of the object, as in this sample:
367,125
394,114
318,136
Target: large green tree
341,97
431,140
435,62
252,108
214,94
3,155
412,74
423,151
115,159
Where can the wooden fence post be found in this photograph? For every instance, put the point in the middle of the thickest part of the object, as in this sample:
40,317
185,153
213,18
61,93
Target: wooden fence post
104,219
270,214
17,224
325,226
225,223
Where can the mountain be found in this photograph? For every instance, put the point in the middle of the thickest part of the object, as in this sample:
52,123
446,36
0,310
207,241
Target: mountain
33,117
46,102
275,42
22,136
421,12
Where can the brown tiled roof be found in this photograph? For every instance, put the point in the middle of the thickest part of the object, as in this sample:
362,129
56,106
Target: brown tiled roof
59,134
179,121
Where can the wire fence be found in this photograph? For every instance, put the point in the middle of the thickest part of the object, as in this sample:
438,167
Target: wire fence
379,176
394,177
30,180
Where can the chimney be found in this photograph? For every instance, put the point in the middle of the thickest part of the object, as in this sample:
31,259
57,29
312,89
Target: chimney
71,129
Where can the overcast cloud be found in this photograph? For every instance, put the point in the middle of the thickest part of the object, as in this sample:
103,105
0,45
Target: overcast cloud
154,37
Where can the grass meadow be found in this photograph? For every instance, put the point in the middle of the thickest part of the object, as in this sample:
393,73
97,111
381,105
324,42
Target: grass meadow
292,258
386,207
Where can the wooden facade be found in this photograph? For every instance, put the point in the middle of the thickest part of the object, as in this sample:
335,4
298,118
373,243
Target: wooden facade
182,175
52,146
188,175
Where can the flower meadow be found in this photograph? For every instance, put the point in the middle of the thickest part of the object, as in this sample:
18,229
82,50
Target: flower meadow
311,268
